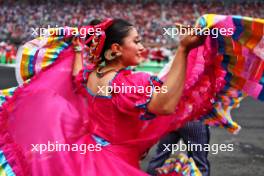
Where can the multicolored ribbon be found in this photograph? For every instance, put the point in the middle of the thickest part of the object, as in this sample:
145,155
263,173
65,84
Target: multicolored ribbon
242,53
242,57
6,93
179,165
5,168
43,51
37,54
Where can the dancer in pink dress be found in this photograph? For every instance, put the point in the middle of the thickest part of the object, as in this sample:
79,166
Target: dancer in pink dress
65,106
82,111
117,117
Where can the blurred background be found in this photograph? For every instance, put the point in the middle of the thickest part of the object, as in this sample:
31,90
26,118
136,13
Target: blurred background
18,17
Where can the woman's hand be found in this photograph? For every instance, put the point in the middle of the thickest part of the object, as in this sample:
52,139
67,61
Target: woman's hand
77,45
191,41
76,41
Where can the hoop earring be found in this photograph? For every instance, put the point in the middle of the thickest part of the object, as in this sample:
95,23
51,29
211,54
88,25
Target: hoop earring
109,55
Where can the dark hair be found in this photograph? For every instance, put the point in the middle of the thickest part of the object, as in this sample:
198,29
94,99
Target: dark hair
115,33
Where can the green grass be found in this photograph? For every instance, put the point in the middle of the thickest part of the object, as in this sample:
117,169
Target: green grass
150,66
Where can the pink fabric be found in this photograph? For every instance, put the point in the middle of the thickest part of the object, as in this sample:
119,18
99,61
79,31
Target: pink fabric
53,107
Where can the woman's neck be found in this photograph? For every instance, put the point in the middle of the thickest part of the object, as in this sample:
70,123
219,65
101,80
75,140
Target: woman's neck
115,64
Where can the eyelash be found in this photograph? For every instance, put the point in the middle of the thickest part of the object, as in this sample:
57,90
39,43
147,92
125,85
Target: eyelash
137,41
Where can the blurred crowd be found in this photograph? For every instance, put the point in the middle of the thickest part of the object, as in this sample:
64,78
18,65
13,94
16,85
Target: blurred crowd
18,19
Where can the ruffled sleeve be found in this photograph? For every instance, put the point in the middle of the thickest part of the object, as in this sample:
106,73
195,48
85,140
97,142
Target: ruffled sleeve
133,91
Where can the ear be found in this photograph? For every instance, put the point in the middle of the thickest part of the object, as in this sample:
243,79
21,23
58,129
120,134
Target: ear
116,48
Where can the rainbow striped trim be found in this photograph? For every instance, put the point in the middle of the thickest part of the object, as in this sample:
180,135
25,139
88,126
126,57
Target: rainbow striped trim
39,53
6,93
179,164
241,55
5,168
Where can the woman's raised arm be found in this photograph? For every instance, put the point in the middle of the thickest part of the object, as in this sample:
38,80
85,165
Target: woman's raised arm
78,64
165,103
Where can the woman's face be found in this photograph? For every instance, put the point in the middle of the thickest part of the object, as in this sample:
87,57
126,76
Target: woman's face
131,49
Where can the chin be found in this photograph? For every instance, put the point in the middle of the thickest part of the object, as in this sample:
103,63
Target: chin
136,61
140,60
